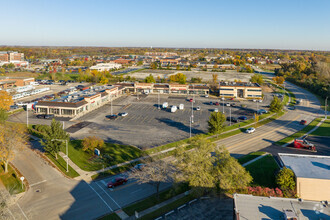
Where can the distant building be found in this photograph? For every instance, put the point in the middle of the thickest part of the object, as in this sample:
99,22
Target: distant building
161,54
123,61
258,207
312,175
10,82
105,66
240,90
14,57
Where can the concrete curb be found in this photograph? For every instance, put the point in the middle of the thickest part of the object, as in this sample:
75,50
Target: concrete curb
255,159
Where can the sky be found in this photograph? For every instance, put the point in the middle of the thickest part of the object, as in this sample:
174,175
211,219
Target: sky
270,24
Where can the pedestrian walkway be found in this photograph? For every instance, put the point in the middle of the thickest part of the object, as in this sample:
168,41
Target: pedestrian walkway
255,159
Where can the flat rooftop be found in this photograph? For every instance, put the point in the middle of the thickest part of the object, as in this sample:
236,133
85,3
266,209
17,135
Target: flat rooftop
307,166
242,84
258,207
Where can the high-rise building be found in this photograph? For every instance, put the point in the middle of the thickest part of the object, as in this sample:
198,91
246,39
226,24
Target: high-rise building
10,56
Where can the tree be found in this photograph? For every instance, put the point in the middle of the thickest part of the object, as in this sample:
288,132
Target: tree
90,143
179,77
229,173
54,131
150,79
196,80
155,173
153,65
256,120
3,115
12,138
104,80
276,105
6,100
216,122
257,78
214,78
279,80
285,179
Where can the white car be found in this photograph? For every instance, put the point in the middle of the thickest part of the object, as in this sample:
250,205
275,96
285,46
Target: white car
222,99
260,100
215,110
254,100
198,108
123,114
206,96
228,104
250,130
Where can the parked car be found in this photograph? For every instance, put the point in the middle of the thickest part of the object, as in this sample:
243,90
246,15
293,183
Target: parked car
233,119
222,98
254,100
48,116
303,122
111,116
198,108
211,103
139,167
217,103
123,114
117,182
215,110
40,116
231,98
262,111
250,130
243,118
191,100
206,96
227,104
233,104
260,100
13,107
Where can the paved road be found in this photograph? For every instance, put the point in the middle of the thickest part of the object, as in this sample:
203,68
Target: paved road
288,124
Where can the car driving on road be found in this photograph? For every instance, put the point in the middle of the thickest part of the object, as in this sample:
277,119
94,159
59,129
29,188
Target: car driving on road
117,182
250,130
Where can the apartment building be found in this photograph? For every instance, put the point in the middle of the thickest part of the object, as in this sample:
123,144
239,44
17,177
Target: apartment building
10,56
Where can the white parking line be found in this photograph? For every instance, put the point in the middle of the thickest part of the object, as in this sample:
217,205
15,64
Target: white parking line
100,197
22,211
104,183
136,191
108,195
37,183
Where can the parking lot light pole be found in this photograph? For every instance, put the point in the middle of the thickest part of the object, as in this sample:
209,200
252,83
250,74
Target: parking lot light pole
192,111
229,116
326,108
67,154
158,101
190,118
27,116
110,104
223,105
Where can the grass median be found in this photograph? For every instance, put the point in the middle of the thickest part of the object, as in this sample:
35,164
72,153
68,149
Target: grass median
61,164
323,130
299,133
116,154
246,158
11,181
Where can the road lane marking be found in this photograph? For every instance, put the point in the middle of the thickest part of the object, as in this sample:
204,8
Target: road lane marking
22,211
136,191
100,198
262,135
11,214
108,195
37,183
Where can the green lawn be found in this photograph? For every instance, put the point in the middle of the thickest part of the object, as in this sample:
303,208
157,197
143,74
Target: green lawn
323,130
11,181
251,156
61,164
89,162
167,208
114,171
152,200
263,171
299,133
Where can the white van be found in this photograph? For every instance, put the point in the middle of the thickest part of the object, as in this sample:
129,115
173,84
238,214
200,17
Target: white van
181,106
174,108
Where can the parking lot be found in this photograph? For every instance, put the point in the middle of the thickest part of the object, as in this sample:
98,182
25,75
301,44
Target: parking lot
147,126
124,195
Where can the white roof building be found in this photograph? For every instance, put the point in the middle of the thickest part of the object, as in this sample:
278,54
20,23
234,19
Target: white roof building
105,66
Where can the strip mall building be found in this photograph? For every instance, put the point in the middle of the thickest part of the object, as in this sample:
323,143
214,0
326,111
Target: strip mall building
82,102
240,90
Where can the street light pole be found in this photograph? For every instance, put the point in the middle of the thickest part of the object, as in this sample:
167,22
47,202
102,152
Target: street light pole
223,105
190,127
229,116
27,116
110,104
158,101
67,152
326,108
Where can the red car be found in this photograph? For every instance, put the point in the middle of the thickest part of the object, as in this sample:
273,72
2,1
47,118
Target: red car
231,98
304,144
217,103
117,182
191,100
303,122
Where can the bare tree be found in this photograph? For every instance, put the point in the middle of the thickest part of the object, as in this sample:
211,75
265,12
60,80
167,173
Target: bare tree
155,173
